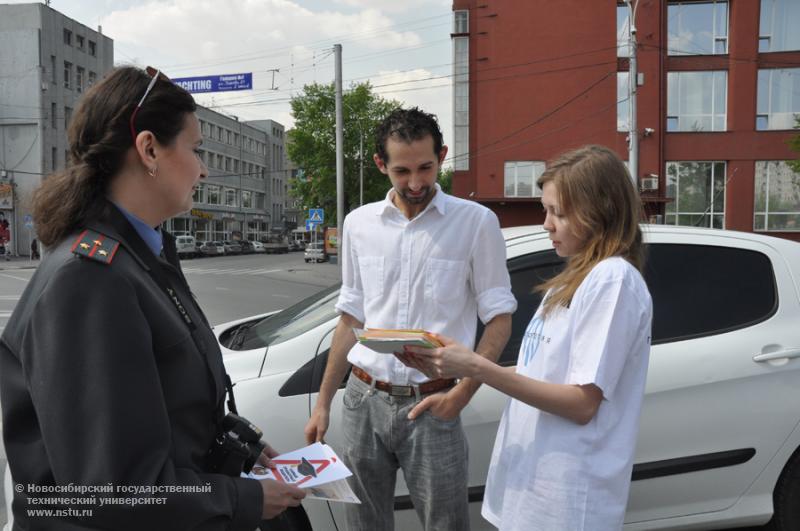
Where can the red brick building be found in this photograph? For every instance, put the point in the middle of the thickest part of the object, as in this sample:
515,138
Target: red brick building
719,85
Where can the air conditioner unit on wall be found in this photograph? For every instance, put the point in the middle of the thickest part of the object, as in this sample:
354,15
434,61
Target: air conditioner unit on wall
649,183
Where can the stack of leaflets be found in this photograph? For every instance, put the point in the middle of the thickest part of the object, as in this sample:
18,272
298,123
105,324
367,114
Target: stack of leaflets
391,341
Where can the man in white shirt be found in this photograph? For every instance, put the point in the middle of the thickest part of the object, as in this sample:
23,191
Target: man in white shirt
420,259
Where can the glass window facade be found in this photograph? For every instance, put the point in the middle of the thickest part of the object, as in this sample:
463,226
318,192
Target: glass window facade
697,28
777,197
778,26
520,178
697,101
778,98
698,193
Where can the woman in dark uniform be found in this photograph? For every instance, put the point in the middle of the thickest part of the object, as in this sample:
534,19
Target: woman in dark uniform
112,381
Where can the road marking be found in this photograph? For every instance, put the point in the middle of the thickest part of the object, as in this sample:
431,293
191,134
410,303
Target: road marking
9,297
192,271
15,278
4,314
279,296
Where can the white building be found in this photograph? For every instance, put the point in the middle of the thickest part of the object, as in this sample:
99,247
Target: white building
47,61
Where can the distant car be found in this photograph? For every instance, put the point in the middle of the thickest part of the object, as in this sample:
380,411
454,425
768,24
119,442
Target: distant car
296,245
232,247
719,441
258,247
186,246
211,249
247,246
315,252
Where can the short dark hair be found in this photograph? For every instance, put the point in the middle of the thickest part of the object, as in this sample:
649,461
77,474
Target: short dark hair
407,125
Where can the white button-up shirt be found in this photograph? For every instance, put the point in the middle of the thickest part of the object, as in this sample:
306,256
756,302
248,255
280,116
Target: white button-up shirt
436,272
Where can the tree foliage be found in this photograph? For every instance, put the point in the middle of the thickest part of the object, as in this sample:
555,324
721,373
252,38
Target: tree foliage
794,144
312,146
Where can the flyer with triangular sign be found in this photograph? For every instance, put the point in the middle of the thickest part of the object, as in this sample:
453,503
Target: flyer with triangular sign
315,468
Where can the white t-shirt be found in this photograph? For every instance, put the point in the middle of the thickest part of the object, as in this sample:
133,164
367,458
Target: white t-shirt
548,473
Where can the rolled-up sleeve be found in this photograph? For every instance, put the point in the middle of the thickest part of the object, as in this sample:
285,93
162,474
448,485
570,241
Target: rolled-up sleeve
351,295
489,273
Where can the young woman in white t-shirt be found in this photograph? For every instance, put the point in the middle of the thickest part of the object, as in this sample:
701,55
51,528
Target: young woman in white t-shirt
564,451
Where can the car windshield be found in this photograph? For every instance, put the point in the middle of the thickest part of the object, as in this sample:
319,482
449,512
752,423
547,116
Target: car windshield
293,321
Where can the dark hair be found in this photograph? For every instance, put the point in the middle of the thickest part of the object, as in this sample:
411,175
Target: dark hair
407,125
99,138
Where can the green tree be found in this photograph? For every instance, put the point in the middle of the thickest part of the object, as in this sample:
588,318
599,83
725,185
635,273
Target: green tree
312,146
445,180
794,144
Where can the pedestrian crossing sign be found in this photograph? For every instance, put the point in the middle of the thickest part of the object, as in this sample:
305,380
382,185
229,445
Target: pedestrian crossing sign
316,215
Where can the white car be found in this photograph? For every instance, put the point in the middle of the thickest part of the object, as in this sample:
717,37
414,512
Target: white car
258,247
186,246
719,444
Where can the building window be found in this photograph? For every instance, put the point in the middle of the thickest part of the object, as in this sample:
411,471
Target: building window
623,104
247,199
460,21
698,28
67,37
461,103
79,75
67,117
67,74
778,98
53,69
696,101
520,178
777,198
199,194
92,78
53,158
213,195
623,23
92,48
778,28
53,112
230,197
698,192
219,161
79,40
260,200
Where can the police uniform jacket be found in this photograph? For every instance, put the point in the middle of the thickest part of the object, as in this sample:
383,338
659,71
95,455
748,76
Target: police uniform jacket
105,386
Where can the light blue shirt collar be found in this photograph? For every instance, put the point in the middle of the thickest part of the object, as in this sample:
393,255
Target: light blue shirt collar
152,237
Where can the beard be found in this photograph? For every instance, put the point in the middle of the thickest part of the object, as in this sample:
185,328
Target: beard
416,200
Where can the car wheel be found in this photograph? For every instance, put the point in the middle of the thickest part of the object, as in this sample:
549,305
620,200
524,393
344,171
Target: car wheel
787,492
307,260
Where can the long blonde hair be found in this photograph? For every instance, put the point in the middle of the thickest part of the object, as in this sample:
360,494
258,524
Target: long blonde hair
602,206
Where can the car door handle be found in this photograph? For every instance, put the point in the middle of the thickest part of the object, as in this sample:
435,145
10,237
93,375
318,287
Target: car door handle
778,354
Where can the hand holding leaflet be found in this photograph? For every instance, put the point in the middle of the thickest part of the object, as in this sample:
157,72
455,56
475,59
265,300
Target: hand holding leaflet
315,468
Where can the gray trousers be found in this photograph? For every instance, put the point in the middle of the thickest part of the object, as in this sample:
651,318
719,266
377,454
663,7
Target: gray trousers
432,453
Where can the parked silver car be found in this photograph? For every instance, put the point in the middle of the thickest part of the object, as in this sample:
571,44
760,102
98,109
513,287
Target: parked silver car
719,443
315,252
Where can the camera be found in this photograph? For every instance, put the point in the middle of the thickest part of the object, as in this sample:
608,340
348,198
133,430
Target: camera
237,448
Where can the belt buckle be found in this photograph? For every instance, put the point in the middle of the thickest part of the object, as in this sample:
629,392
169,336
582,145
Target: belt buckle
400,390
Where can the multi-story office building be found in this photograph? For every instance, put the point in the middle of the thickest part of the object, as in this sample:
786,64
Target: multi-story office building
47,61
239,199
278,172
717,94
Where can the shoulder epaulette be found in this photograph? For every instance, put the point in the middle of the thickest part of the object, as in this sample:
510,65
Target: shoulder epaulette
96,246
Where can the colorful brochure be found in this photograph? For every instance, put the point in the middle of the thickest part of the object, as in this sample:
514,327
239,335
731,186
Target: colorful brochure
391,341
315,468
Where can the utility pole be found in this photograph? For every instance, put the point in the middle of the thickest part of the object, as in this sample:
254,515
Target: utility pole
633,83
361,166
337,51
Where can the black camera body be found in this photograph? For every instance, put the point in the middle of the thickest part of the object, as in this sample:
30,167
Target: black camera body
237,448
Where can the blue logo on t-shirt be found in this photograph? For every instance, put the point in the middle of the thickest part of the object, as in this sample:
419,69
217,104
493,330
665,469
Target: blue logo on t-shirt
532,339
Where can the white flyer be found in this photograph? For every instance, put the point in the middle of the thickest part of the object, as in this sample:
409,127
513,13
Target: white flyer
315,468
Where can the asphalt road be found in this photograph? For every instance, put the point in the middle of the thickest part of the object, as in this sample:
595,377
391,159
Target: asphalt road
228,288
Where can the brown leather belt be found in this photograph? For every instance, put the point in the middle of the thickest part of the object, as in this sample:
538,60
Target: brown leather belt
403,390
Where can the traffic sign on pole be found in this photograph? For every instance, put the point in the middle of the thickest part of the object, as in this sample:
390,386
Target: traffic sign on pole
316,214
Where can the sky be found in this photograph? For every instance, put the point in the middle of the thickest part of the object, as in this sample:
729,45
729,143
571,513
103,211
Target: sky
397,45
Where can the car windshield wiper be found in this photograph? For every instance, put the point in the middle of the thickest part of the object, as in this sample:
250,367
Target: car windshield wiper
238,336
